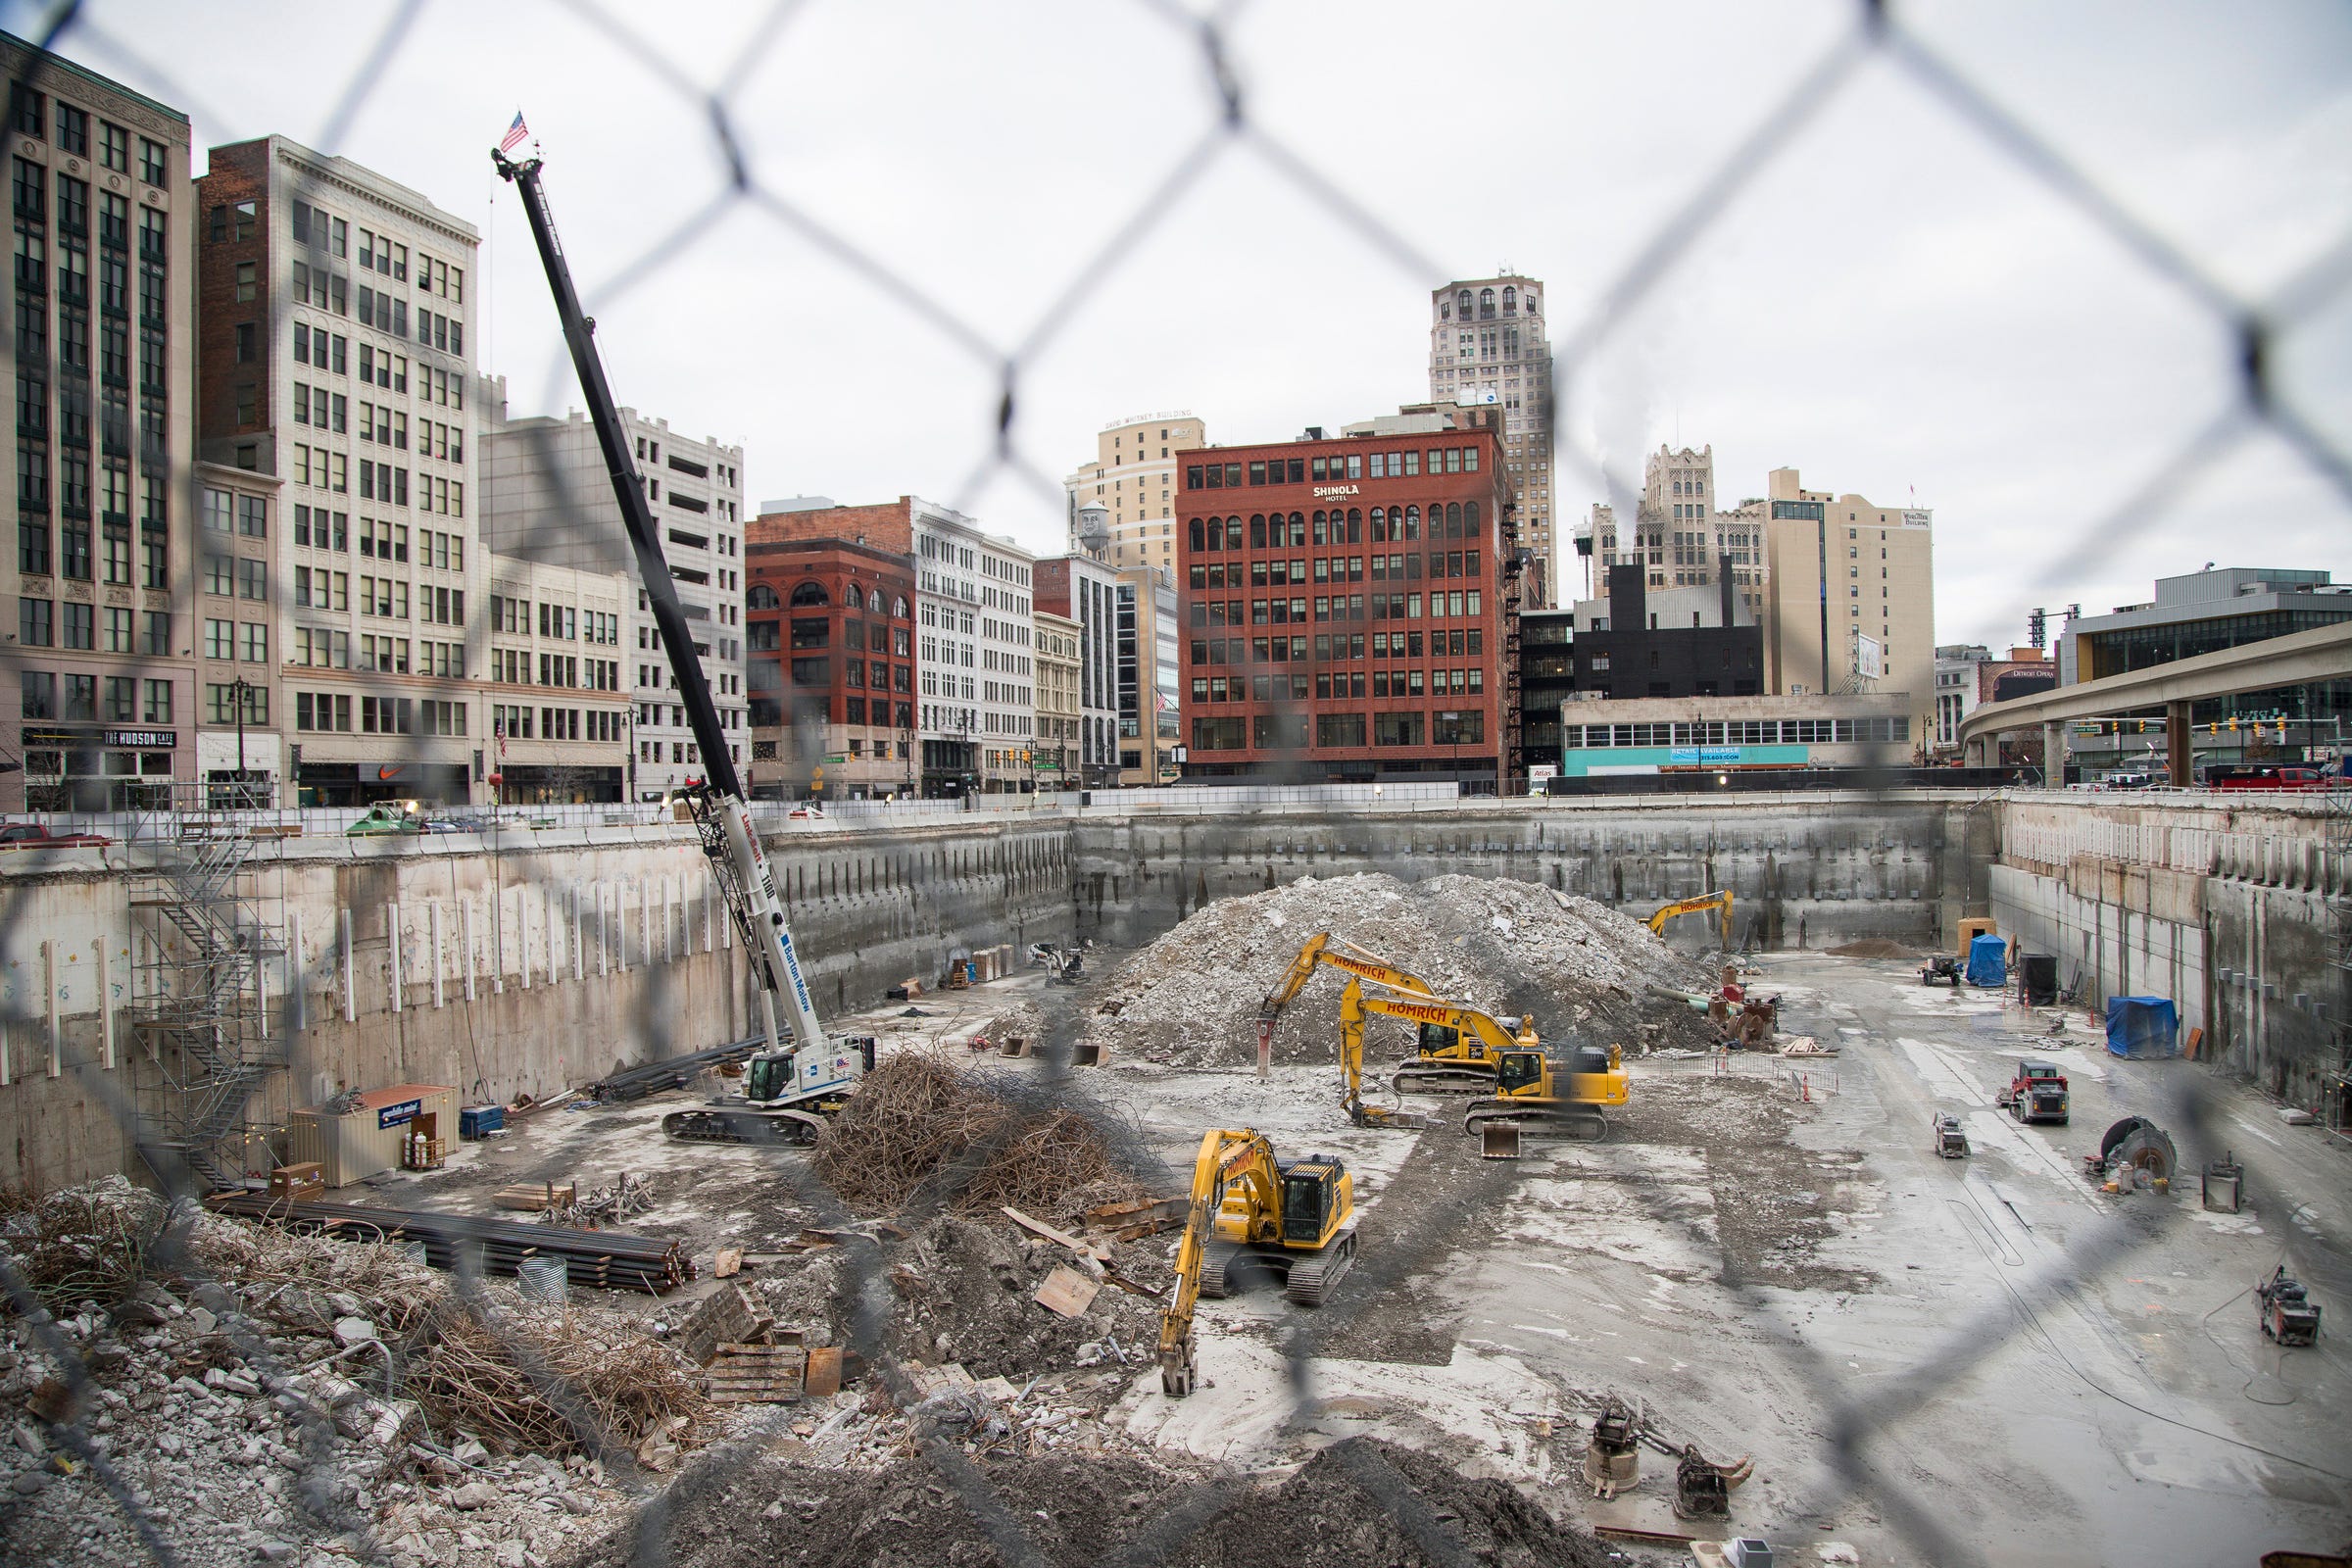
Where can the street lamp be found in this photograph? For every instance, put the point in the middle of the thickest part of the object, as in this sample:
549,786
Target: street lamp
236,691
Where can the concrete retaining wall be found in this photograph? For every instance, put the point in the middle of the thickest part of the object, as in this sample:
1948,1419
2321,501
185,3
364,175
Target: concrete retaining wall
499,970
1804,871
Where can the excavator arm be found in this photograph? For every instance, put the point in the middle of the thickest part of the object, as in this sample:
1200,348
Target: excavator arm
1320,950
1720,899
1227,1155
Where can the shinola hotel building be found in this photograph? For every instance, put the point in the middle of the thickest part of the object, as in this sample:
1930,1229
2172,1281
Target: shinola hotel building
1350,610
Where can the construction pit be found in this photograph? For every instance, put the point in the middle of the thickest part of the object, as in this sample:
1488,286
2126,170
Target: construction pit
1908,1359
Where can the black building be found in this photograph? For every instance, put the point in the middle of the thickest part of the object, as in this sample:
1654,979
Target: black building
1546,679
1689,643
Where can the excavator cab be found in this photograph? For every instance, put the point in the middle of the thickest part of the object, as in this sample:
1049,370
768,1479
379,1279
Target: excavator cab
1313,1199
1520,1070
768,1075
1437,1039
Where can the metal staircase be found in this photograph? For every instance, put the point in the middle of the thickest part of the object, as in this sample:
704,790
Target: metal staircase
200,1006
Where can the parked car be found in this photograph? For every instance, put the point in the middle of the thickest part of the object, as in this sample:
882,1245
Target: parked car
37,835
805,812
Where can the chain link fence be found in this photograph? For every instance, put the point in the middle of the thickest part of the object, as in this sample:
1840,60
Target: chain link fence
1863,1423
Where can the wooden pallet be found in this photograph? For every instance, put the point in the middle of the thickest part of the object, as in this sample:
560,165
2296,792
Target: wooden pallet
758,1374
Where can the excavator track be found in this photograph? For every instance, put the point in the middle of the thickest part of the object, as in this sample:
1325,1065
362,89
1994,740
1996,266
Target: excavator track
1214,1261
1312,1278
1584,1124
769,1128
1439,1076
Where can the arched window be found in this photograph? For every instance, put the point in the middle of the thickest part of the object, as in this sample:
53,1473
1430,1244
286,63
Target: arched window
897,608
1531,302
1412,522
853,596
1510,301
762,596
1486,304
1469,520
807,594
1453,519
1462,303
873,600
1380,525
1356,525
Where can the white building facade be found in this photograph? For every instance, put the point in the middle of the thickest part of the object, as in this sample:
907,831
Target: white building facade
975,659
548,501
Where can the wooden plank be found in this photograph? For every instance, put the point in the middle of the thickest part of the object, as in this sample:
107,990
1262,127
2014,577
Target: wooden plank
1039,1227
824,1377
1067,1292
756,1374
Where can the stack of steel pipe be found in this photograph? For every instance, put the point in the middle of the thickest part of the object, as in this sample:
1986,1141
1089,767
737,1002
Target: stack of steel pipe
598,1259
652,1077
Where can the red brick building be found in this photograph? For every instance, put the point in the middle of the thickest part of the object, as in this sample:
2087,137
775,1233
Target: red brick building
1350,610
829,645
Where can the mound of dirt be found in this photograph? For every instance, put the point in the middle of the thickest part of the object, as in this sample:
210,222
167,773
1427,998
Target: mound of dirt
924,1132
963,1291
1874,948
1582,970
1360,1501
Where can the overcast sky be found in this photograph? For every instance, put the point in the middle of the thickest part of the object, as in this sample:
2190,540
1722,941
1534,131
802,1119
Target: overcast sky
1891,304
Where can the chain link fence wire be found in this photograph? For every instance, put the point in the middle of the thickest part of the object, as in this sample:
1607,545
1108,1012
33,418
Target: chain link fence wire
1864,1451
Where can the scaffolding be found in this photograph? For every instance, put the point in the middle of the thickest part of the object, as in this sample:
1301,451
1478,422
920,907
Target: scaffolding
206,913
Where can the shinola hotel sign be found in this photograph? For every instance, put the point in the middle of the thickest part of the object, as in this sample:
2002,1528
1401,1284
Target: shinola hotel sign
1323,490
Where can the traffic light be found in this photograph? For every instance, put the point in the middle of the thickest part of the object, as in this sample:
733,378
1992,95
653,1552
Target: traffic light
2036,627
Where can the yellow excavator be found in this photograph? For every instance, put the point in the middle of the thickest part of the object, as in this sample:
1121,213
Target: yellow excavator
1720,899
1529,1089
1255,1216
1325,949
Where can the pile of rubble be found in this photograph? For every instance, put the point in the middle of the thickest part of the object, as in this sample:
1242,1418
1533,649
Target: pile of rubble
964,1293
1359,1501
1586,972
237,1394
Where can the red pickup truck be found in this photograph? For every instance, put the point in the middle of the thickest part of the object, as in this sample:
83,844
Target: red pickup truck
2221,777
36,836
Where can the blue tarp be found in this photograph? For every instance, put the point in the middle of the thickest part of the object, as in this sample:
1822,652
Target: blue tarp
1988,960
2143,1027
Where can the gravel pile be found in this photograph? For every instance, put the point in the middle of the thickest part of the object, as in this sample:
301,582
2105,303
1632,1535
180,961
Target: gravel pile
263,1397
1585,972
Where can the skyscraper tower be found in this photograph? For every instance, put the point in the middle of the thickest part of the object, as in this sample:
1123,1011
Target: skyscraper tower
1486,345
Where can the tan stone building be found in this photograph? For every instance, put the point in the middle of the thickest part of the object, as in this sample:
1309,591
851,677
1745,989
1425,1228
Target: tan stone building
239,706
1679,533
1486,346
1849,597
101,703
1134,477
331,355
1058,716
558,719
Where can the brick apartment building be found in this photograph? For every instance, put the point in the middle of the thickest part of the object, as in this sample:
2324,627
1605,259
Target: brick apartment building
1350,610
830,628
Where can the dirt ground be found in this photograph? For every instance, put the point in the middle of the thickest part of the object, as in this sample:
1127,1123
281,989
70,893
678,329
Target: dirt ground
1763,1255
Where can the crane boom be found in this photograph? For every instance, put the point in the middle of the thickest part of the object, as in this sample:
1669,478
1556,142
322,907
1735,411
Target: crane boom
721,811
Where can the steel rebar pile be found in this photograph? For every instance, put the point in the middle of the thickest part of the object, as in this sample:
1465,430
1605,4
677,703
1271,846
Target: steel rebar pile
602,1259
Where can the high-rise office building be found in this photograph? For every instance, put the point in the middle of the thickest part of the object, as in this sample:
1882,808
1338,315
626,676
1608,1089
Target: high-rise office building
1680,537
1849,597
99,365
335,312
1487,345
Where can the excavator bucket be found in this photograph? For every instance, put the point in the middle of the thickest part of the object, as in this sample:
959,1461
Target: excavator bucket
1498,1140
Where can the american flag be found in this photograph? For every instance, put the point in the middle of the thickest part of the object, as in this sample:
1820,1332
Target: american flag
515,136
